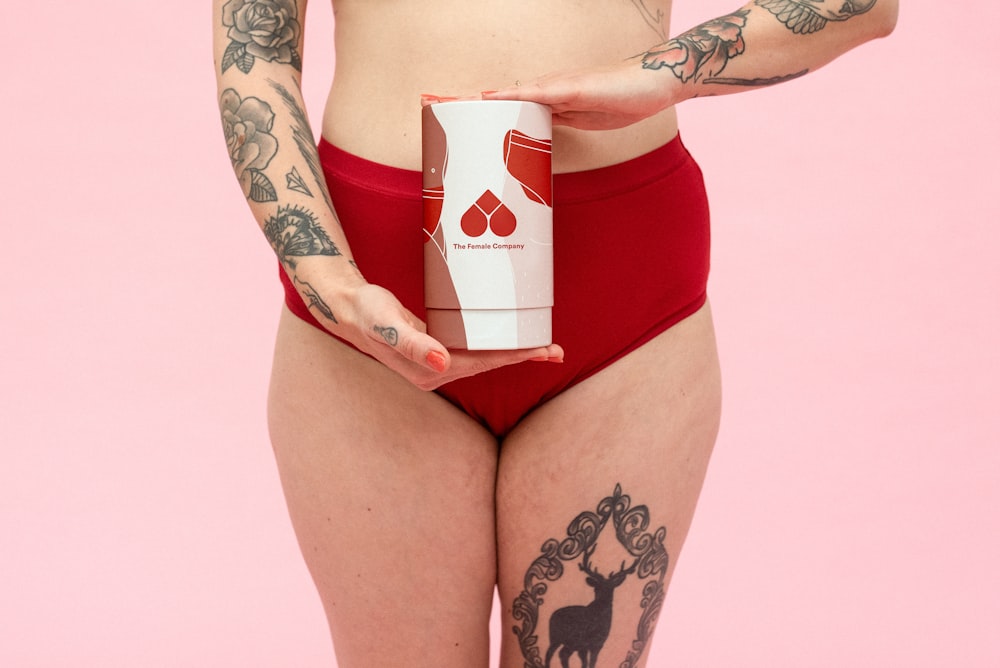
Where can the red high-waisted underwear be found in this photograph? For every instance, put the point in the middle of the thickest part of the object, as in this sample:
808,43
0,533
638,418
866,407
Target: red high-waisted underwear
631,256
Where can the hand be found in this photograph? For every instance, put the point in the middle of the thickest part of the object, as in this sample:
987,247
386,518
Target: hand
375,322
603,98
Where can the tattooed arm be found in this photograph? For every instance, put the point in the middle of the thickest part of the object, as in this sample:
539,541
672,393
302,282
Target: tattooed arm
258,64
764,43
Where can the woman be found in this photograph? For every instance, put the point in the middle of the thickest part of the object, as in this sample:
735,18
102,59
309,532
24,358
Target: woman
419,478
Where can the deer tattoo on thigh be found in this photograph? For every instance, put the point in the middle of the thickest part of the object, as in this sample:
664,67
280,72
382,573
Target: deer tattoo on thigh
583,630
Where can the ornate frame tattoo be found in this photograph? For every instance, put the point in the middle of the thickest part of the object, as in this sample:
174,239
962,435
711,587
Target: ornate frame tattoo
651,563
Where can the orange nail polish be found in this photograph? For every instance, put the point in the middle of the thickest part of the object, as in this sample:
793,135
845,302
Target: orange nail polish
436,361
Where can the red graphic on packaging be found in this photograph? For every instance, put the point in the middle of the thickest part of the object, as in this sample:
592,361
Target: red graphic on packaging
433,203
529,160
488,211
435,151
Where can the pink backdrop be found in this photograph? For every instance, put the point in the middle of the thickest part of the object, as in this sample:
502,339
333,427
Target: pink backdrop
850,517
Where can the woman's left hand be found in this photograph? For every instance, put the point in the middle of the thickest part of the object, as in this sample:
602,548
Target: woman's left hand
603,98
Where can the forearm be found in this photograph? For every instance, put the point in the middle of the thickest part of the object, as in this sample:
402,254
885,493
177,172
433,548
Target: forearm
272,148
766,42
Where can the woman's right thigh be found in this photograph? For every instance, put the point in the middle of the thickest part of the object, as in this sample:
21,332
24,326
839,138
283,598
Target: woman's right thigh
391,493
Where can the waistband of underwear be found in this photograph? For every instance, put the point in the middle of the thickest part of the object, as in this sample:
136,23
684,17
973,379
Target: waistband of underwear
567,187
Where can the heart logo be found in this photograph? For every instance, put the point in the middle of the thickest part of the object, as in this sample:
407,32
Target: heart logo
489,212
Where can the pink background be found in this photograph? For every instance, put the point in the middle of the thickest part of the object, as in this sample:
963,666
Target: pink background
850,517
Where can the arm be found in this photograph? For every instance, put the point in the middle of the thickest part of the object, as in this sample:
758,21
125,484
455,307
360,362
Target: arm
764,43
258,64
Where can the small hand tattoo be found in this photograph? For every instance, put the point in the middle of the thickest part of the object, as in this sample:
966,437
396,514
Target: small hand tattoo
390,334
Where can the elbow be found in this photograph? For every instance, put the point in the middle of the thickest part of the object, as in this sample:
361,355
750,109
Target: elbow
887,14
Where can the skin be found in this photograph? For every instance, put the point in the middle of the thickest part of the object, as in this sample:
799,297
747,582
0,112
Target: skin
408,513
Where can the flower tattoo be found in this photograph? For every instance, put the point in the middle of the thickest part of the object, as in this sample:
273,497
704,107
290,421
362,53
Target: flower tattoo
702,51
265,29
247,125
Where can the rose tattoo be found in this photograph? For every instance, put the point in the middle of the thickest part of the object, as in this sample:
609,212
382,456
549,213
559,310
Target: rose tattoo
247,124
266,29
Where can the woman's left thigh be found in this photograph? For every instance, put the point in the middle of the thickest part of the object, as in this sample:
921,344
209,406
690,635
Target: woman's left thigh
595,493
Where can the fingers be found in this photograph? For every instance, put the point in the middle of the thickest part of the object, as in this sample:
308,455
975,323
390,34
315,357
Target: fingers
471,362
413,345
536,91
386,330
511,93
427,99
430,367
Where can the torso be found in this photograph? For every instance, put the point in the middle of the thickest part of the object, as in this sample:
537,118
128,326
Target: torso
390,51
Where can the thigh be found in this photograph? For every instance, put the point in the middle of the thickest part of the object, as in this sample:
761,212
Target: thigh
391,493
595,493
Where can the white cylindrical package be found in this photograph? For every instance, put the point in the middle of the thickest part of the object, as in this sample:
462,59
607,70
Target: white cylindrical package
487,201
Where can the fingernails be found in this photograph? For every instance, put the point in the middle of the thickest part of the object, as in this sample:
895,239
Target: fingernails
557,360
487,92
427,98
436,361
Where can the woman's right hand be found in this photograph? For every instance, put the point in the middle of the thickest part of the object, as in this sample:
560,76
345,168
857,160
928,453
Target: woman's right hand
373,320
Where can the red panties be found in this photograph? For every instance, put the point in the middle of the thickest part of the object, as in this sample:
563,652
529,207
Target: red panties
631,256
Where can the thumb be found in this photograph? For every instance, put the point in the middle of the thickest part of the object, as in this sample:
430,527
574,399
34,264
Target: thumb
415,346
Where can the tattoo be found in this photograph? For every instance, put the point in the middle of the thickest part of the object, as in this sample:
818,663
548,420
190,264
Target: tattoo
583,629
295,232
654,21
702,51
295,182
756,82
390,334
247,123
303,135
265,29
315,301
804,16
